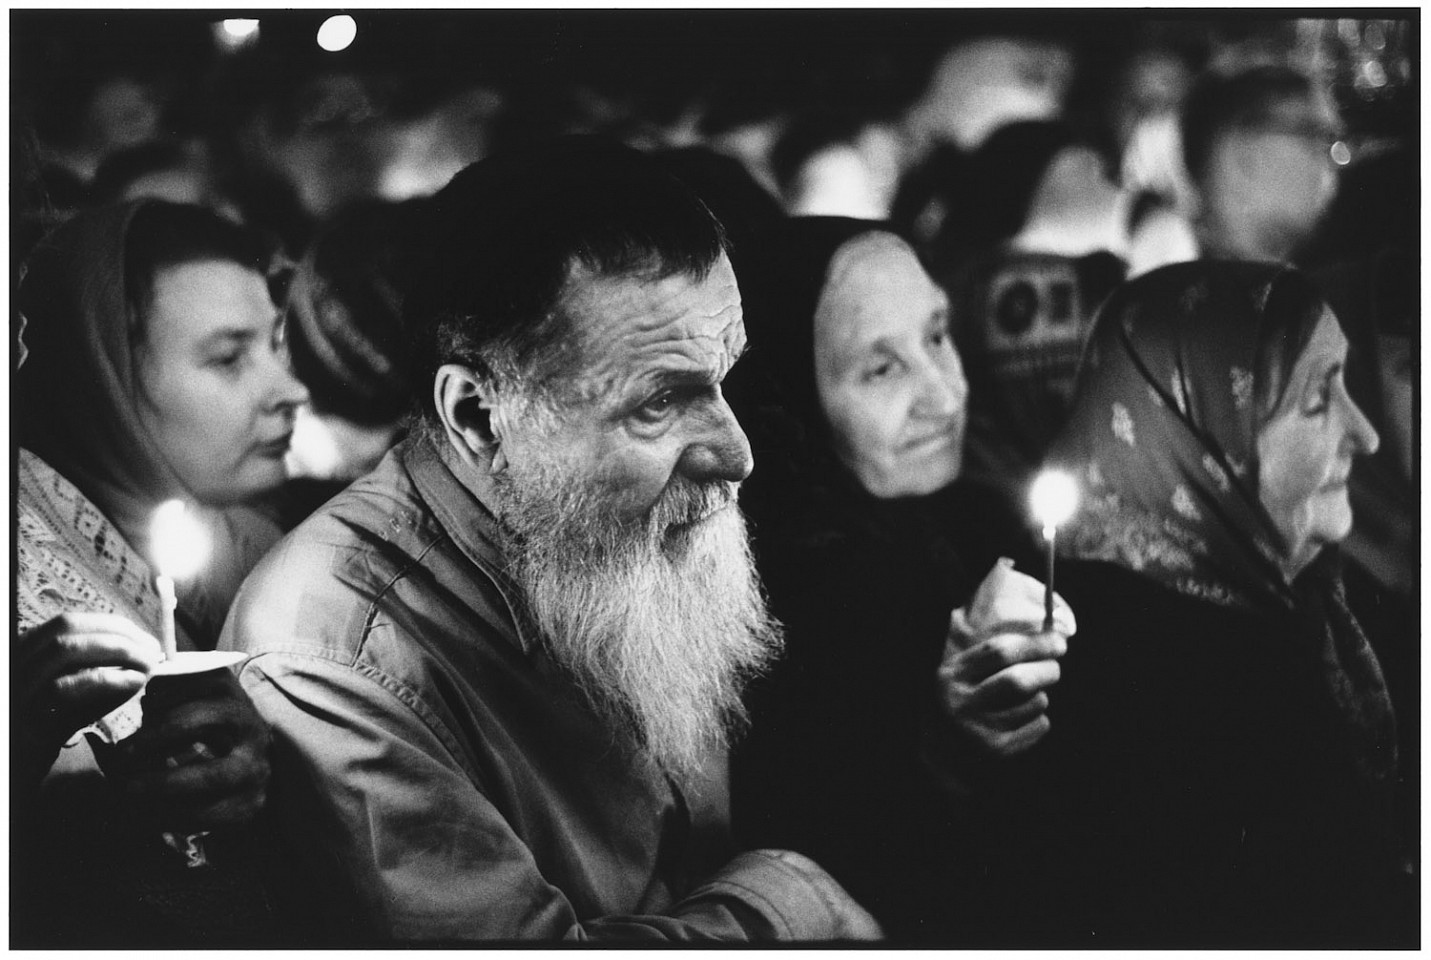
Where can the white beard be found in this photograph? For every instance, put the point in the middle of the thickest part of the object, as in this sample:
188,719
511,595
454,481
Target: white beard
660,623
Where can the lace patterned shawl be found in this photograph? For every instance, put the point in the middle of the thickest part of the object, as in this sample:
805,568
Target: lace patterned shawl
70,558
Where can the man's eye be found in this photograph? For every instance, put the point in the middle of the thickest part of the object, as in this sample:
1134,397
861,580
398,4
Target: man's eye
937,338
228,360
657,408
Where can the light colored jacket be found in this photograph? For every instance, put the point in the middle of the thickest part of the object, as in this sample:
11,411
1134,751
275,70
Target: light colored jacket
437,771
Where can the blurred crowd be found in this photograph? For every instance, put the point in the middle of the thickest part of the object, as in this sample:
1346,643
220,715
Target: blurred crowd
1037,166
1068,216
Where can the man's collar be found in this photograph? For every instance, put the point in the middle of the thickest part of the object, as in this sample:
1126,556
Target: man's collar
466,520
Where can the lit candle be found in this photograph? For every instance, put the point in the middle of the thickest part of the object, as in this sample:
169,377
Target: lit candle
1053,498
180,547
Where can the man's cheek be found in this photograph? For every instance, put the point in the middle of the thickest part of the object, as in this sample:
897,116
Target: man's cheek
631,483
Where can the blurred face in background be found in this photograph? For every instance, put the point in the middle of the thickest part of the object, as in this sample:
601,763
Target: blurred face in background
1268,186
890,384
215,390
1305,450
122,113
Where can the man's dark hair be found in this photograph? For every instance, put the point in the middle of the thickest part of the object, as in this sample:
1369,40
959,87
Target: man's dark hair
1242,101
501,239
164,234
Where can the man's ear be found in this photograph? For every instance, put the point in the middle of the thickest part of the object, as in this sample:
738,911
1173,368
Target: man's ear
464,402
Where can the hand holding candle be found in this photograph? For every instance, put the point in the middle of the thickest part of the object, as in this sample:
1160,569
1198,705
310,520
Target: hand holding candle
998,665
161,761
1053,499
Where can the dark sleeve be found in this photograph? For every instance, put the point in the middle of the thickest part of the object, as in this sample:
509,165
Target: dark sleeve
831,766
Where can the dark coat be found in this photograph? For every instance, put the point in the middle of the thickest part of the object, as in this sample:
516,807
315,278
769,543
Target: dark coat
832,765
1183,797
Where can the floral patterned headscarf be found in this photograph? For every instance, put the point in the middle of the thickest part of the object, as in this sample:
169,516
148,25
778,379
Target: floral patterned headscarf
1163,434
1163,441
1182,366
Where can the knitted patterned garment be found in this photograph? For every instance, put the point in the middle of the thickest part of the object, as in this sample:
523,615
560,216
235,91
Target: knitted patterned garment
71,559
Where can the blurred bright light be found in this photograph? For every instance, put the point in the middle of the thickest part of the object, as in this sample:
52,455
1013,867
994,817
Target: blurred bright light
1053,499
179,542
233,34
314,450
239,29
1341,153
337,33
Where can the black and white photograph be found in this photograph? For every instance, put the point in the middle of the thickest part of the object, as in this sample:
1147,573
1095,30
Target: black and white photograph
924,477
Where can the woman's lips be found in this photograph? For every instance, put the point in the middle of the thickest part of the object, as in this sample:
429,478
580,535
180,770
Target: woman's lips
1339,482
936,438
274,448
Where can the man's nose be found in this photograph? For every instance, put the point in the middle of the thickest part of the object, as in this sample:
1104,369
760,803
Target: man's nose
721,452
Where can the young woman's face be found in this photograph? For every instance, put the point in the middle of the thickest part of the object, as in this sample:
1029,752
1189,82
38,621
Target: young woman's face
1305,450
215,390
890,384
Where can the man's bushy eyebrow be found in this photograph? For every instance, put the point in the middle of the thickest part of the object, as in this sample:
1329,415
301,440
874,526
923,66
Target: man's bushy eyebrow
685,377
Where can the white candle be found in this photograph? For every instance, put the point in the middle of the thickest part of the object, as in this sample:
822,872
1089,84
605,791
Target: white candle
168,602
1053,498
180,546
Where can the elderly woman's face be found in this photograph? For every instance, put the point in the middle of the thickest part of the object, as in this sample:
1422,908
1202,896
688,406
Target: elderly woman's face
890,384
1305,450
215,390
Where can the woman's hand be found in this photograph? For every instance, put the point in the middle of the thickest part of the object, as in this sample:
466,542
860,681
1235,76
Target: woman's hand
200,760
70,671
999,662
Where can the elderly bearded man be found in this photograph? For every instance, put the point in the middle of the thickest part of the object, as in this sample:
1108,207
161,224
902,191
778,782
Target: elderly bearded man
497,666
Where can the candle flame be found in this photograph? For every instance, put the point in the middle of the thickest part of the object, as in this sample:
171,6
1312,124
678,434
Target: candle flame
179,542
1053,498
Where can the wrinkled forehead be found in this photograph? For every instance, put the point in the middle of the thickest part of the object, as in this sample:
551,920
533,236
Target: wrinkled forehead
680,321
867,258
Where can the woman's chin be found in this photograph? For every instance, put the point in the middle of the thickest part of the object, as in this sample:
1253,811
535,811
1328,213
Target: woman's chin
252,483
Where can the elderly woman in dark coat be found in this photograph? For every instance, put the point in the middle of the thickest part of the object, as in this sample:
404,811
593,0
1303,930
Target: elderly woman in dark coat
867,540
1222,750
